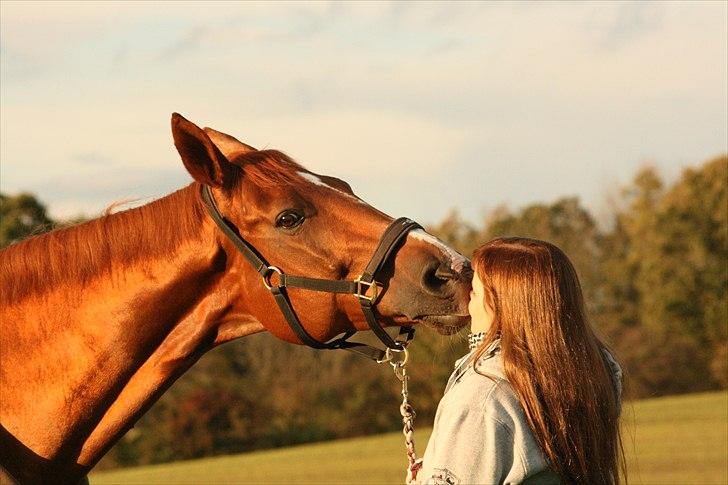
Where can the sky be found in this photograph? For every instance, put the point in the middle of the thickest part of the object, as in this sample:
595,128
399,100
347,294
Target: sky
421,107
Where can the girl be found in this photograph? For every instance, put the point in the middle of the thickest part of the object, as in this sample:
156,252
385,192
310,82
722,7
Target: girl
537,399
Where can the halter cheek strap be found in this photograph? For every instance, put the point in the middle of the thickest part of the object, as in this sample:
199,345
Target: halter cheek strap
365,288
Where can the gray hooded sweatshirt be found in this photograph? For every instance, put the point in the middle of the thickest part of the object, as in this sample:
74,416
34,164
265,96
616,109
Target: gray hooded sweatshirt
480,434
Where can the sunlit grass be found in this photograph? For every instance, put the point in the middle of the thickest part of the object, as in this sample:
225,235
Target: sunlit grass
673,440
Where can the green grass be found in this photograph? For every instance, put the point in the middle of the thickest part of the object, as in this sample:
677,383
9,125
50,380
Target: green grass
680,440
672,440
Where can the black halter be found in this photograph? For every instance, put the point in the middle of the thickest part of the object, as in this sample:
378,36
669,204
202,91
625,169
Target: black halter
366,287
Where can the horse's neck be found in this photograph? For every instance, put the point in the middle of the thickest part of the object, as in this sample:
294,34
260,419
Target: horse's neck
90,355
214,320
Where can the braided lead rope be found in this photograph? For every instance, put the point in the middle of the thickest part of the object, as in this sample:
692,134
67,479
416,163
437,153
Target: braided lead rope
408,420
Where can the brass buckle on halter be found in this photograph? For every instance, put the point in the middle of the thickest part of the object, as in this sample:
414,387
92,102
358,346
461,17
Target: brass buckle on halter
361,290
268,273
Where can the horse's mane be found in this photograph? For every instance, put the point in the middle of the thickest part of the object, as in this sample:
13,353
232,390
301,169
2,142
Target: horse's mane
82,252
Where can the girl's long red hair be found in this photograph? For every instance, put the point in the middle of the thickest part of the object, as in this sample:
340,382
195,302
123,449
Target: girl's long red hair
552,358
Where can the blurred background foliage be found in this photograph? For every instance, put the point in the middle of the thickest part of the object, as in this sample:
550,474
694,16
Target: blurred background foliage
655,276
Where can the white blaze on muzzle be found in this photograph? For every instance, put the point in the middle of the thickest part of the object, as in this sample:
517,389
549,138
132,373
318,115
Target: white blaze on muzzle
317,181
457,260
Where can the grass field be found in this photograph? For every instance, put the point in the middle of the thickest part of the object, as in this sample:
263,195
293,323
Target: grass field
672,440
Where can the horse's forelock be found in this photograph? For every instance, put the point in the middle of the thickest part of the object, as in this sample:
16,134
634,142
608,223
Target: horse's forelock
270,168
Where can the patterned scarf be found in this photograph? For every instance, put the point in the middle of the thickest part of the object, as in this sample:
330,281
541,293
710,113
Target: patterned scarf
475,339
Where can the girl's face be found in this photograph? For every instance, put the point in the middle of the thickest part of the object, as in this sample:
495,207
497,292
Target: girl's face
481,314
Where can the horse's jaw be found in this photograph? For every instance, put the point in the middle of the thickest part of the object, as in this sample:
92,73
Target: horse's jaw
446,324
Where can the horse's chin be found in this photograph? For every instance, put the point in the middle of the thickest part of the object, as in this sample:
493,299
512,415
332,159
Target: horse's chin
445,324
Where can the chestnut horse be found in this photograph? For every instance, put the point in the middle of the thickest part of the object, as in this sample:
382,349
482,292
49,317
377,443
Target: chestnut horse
98,320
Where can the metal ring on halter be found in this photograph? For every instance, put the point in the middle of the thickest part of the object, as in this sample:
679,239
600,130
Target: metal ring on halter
403,361
387,356
268,273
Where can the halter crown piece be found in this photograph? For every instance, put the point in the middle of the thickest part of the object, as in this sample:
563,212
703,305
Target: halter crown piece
365,288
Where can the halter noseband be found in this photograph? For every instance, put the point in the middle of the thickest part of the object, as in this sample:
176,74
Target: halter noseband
365,288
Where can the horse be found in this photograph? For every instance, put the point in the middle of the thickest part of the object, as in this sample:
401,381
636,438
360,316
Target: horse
99,319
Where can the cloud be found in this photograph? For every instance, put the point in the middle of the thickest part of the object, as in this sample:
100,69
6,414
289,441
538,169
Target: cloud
627,22
354,143
469,103
94,159
18,67
258,24
71,192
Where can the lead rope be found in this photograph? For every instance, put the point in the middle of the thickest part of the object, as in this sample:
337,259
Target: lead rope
408,413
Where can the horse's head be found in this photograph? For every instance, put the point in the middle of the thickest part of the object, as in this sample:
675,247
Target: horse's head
314,225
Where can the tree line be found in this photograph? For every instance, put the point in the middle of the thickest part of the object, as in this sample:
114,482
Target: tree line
655,279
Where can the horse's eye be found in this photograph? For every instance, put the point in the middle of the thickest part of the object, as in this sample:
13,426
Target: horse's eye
289,219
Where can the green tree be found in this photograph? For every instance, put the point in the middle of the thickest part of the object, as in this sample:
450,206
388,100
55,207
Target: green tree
564,223
457,233
664,281
617,300
621,260
685,284
21,215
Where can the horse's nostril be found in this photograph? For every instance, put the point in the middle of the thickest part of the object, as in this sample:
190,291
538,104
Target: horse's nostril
467,271
437,276
445,274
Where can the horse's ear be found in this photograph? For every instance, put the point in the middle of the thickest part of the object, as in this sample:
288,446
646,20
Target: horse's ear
229,146
202,159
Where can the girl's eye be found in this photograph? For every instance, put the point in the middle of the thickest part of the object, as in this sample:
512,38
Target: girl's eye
289,219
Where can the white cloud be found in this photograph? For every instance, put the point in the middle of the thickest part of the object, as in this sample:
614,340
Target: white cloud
532,100
351,143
